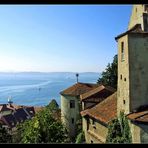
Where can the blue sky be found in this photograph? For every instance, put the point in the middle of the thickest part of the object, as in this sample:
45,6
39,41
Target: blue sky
58,38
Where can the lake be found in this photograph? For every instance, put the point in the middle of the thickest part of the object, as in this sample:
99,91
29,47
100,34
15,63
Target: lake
37,89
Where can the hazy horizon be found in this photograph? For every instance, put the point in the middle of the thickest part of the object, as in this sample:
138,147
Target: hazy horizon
47,72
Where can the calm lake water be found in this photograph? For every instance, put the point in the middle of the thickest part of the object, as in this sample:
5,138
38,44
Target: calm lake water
38,88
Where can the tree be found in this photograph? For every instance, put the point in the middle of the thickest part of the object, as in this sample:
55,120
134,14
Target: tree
53,105
5,137
119,130
43,128
109,76
80,137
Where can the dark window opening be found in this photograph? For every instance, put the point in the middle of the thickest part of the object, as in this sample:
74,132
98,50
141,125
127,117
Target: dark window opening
72,120
124,79
122,51
91,141
87,123
72,104
136,10
121,77
123,101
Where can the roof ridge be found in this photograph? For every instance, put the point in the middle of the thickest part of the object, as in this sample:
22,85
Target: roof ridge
91,92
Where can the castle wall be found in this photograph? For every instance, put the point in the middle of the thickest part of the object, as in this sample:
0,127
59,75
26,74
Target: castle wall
123,77
138,45
136,16
95,132
68,113
139,133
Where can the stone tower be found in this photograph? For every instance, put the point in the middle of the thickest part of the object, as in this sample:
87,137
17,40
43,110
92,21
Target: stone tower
139,16
133,62
132,91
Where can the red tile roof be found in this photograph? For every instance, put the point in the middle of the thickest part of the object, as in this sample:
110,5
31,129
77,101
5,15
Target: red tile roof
104,111
4,107
78,89
96,92
19,113
141,116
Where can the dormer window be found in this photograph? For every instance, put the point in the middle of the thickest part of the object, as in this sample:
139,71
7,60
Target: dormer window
122,51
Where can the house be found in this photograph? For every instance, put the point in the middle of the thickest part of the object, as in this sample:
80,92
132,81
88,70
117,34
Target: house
79,97
95,96
96,119
11,114
98,108
71,106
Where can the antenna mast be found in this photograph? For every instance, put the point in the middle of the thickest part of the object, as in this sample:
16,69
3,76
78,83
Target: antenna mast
77,75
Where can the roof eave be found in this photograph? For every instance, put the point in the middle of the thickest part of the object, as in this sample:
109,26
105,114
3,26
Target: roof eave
128,31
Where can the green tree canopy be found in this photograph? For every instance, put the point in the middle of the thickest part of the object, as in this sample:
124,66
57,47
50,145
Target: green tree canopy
80,137
5,137
119,130
43,128
109,76
53,105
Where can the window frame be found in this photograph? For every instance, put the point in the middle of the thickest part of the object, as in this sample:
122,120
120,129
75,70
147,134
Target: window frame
72,103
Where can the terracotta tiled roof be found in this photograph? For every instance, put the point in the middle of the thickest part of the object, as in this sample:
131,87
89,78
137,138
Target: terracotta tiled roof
134,29
3,107
78,89
96,92
18,114
104,111
141,116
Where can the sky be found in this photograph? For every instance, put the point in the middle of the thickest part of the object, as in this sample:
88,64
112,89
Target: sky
60,38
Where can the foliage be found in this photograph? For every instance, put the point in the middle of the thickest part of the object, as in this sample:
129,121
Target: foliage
119,130
53,105
109,76
43,128
79,126
80,137
5,137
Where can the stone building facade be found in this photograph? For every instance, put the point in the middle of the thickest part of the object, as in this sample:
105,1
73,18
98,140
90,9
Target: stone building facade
101,104
71,105
132,92
96,119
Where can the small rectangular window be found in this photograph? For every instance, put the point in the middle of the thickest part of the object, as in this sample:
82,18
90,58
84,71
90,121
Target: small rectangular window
72,120
121,77
124,79
123,101
91,141
72,104
122,51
